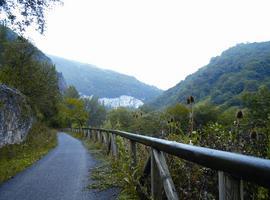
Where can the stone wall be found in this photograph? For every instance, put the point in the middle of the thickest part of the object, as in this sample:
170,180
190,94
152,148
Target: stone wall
16,118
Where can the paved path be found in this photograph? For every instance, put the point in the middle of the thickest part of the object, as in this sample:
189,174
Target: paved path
63,174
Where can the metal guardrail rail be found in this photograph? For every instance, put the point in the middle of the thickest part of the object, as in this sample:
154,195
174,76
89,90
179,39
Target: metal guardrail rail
232,168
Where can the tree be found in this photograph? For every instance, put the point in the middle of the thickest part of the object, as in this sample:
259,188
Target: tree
73,112
205,113
71,92
35,79
96,111
258,104
120,118
23,13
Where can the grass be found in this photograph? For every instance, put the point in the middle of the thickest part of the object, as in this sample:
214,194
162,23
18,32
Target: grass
111,173
15,158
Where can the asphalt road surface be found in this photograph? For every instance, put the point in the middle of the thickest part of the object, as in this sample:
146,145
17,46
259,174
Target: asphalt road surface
61,174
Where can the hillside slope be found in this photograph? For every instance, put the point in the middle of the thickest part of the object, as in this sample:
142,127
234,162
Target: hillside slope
91,80
38,55
244,67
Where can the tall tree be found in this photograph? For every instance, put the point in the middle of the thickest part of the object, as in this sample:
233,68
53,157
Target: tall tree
37,80
71,92
258,104
97,112
74,112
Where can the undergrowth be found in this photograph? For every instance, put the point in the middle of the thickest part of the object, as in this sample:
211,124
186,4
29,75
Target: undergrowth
16,157
111,172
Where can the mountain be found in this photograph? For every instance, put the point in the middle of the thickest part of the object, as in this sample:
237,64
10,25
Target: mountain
242,68
91,80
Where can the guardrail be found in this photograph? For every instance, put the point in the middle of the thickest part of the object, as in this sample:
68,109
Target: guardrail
232,168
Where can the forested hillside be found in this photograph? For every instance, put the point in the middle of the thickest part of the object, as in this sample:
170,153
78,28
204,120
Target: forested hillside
240,69
91,80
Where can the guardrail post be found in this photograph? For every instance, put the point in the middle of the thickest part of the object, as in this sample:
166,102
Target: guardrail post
109,147
105,138
94,135
230,188
133,154
85,132
98,136
156,182
114,146
165,175
88,134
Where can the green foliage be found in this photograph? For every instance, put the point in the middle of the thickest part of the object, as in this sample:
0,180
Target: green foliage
111,173
37,80
177,118
258,104
71,92
17,157
96,111
120,118
151,123
72,112
148,124
205,113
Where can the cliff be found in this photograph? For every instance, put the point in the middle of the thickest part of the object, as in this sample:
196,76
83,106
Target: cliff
15,116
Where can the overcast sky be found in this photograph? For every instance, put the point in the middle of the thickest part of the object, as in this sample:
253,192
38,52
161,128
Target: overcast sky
158,42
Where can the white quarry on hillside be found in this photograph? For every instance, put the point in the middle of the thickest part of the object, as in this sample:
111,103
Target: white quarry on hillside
122,101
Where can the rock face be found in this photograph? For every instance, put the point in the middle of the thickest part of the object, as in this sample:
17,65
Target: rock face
16,118
122,101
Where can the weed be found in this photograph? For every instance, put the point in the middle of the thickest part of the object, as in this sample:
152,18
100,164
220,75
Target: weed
16,157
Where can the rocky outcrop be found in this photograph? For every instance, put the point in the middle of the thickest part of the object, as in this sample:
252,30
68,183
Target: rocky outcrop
16,118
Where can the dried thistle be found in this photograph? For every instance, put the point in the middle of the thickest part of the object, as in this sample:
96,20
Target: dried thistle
191,99
239,115
253,135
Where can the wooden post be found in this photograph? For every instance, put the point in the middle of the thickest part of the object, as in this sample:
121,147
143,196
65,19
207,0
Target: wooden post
165,175
109,147
133,154
230,188
156,182
97,134
100,137
88,134
94,136
91,134
114,146
105,138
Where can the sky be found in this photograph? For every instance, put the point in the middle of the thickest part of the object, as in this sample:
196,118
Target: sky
159,42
